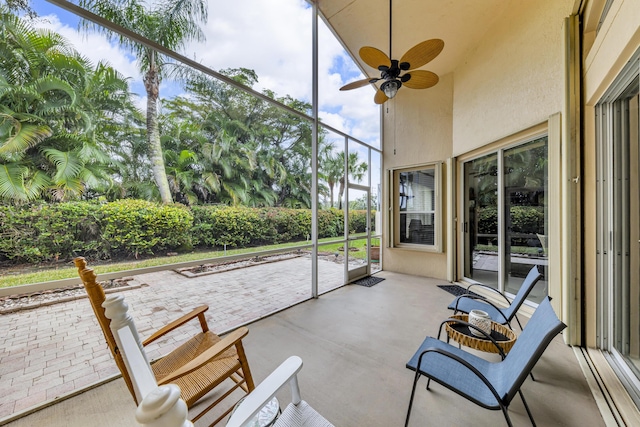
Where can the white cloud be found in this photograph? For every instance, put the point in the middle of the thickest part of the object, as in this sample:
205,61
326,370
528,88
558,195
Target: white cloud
271,37
274,39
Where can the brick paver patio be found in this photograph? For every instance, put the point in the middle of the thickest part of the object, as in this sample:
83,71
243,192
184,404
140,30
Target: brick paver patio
54,350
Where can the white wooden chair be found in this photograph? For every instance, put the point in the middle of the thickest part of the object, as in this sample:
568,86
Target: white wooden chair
297,414
162,406
159,406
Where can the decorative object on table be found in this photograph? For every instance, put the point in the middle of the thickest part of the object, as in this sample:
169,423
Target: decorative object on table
481,320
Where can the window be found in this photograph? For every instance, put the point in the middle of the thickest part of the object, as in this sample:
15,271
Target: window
417,207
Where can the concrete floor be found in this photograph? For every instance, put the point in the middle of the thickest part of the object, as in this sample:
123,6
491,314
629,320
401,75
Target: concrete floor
354,343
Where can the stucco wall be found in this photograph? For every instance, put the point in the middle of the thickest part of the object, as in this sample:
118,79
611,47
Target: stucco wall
511,81
514,78
417,126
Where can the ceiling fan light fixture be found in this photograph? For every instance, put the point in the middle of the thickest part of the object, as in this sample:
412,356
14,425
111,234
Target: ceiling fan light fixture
390,88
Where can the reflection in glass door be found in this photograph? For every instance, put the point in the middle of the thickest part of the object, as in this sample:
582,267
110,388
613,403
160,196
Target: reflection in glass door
505,217
525,213
481,220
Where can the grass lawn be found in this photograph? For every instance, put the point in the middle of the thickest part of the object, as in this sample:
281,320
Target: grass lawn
46,273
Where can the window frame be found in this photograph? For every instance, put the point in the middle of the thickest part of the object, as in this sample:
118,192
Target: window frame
395,222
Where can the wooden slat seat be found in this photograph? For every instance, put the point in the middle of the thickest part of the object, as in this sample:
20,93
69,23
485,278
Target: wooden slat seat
200,364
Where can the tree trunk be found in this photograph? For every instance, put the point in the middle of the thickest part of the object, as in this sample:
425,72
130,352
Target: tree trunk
152,86
340,192
331,191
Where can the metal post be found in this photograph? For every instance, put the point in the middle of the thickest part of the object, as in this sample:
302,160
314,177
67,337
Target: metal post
345,210
314,156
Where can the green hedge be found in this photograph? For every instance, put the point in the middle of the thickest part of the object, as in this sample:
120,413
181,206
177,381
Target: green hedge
46,232
134,227
524,219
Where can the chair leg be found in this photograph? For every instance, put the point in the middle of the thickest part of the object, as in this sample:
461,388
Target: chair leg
533,423
519,324
413,392
505,412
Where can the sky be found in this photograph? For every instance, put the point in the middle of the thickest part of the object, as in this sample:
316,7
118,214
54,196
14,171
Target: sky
271,37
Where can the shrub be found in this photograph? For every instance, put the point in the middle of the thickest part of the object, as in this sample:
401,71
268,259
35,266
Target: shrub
220,225
524,219
330,223
49,232
139,227
45,232
281,225
358,221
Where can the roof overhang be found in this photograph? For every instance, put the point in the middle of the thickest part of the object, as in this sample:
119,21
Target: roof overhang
462,24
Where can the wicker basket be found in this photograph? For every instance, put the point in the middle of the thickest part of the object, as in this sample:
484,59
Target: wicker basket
461,334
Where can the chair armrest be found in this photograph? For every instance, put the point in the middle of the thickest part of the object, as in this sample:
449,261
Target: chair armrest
216,350
484,300
264,392
198,312
489,288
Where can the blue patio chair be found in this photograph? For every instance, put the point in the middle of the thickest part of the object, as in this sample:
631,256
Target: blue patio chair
492,385
470,301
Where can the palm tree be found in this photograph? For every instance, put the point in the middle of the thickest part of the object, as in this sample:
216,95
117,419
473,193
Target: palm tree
171,24
332,169
53,106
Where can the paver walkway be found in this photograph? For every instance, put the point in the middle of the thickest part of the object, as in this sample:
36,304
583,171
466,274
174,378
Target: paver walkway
54,350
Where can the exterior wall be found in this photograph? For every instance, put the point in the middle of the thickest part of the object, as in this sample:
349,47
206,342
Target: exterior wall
605,55
417,126
514,78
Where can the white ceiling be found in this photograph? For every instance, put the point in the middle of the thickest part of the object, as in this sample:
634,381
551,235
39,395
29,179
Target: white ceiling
462,24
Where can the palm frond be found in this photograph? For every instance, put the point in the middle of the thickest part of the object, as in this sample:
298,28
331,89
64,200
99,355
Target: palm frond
52,83
36,184
18,137
68,165
12,181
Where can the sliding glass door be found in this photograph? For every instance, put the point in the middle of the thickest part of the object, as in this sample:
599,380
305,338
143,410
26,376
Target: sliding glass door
618,220
481,257
505,217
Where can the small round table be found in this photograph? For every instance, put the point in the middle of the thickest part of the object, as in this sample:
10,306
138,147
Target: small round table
460,333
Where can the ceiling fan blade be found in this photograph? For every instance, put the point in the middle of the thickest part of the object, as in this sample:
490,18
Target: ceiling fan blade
422,53
374,57
358,83
421,79
380,97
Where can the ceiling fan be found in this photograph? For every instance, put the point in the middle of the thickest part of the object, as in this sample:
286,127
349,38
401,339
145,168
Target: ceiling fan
391,70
